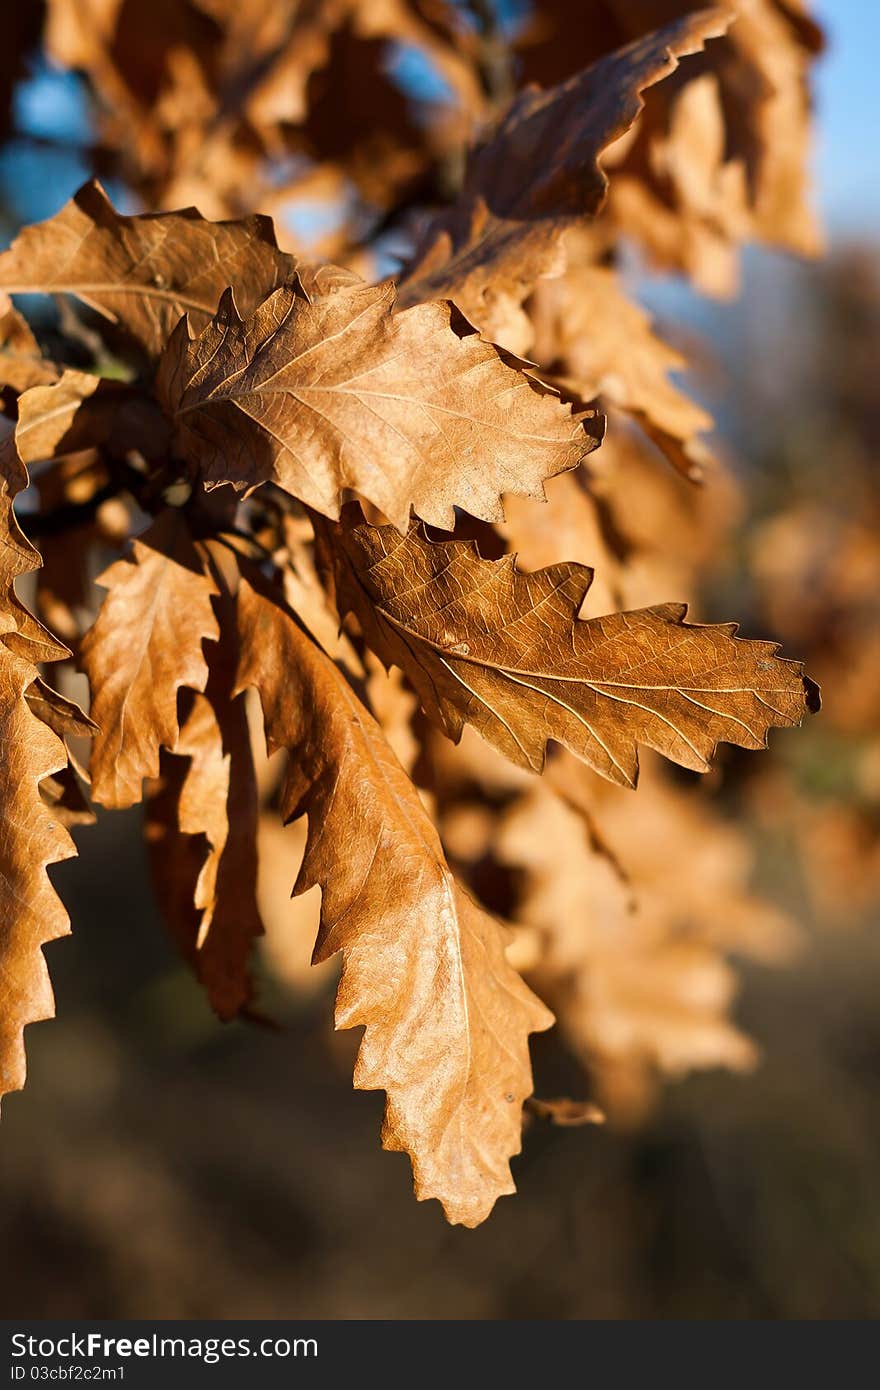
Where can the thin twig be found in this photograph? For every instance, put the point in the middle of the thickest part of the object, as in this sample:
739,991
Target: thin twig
70,515
494,55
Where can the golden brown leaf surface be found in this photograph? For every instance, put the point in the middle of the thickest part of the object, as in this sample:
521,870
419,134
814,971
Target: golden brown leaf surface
21,362
202,832
537,174
721,153
603,345
339,395
487,644
446,1018
202,822
206,101
144,272
725,159
637,973
31,838
144,645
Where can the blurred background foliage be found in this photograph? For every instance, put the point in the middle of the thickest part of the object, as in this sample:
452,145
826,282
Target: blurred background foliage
160,1165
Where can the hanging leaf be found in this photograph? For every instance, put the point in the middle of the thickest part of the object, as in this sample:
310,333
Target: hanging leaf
144,272
339,395
446,1018
82,411
145,644
538,173
202,821
486,644
31,838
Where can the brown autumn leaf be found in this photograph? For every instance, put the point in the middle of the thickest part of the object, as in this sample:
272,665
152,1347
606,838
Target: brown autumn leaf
145,644
209,100
666,827
602,344
167,82
202,832
721,153
291,923
339,395
725,159
330,84
64,716
536,175
575,524
393,704
79,515
424,971
65,790
639,990
487,644
21,362
308,597
202,822
646,531
65,795
143,273
31,914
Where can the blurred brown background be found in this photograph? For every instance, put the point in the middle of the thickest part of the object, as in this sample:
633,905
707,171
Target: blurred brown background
159,1165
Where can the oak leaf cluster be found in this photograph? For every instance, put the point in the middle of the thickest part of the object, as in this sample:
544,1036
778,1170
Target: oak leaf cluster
398,528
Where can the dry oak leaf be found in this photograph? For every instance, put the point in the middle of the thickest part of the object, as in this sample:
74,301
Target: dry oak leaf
144,272
202,822
340,395
644,530
637,996
721,153
329,81
31,913
216,97
64,584
21,361
146,643
666,827
603,344
64,791
202,832
64,794
725,157
424,971
64,716
21,632
537,174
303,575
487,644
